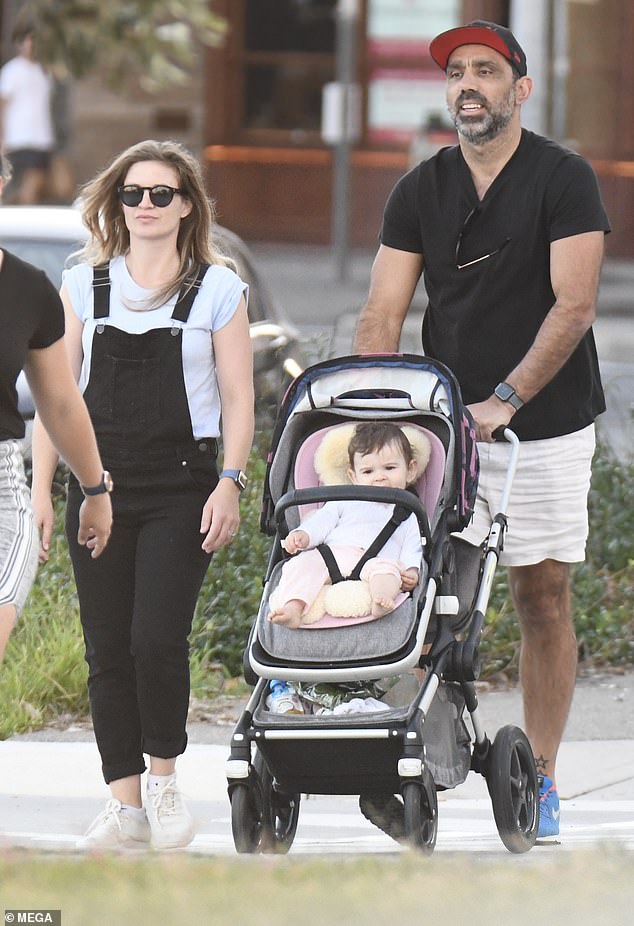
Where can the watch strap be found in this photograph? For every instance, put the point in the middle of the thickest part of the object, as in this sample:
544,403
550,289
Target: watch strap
237,476
506,393
101,488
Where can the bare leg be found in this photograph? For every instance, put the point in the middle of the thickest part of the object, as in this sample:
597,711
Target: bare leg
384,588
8,617
127,790
548,658
289,614
162,766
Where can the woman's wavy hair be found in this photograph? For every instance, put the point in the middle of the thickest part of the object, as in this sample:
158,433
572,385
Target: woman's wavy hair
102,213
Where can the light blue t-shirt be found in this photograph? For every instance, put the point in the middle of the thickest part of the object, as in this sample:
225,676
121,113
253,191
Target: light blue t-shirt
214,306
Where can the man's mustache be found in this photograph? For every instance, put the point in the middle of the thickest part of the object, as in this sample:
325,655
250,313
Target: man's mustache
473,96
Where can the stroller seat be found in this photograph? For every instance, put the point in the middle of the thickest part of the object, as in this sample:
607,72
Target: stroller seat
341,640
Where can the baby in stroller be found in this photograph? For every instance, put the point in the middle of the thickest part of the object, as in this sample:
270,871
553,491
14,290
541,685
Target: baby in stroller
379,454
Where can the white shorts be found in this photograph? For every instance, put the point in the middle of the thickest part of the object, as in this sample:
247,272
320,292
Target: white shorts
18,534
548,508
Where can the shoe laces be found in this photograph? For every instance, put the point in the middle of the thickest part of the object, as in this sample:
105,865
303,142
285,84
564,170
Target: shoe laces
111,813
546,789
165,801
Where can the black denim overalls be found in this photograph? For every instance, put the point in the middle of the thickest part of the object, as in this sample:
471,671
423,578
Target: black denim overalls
137,599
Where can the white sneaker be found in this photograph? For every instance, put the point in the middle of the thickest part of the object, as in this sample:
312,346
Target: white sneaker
170,820
116,829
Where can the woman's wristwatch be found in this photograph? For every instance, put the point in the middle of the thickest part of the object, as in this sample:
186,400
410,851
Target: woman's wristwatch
106,485
236,475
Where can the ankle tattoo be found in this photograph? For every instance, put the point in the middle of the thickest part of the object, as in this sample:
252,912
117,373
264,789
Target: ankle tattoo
541,764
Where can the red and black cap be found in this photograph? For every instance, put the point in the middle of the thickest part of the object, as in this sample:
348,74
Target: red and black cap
479,32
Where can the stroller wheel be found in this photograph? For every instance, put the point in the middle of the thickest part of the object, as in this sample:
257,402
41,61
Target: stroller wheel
246,818
280,811
421,816
512,782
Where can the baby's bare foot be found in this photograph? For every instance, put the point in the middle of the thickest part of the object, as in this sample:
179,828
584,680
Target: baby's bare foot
289,616
382,606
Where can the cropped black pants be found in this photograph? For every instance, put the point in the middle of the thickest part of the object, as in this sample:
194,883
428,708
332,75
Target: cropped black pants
137,602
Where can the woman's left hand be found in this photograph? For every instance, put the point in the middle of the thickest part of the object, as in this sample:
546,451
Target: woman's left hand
221,516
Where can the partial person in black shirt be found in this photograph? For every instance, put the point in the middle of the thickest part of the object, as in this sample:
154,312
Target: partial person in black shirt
32,338
508,230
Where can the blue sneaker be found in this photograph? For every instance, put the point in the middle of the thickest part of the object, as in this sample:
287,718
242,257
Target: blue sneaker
548,808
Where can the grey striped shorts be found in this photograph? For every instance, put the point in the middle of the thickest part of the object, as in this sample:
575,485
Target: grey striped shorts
18,534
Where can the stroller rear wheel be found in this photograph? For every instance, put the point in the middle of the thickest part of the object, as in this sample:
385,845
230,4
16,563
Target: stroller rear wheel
421,816
280,811
512,782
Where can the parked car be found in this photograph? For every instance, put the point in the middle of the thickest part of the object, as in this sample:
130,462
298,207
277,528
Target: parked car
47,236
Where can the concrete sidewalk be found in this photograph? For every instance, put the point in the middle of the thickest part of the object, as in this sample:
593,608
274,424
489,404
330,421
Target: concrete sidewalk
596,760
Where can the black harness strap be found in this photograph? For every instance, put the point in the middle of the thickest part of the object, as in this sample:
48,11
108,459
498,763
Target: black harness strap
331,563
398,516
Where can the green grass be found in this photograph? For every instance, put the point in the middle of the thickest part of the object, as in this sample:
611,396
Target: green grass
379,890
44,675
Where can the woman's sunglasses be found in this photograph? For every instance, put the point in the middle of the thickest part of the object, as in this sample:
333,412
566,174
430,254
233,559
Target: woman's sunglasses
160,195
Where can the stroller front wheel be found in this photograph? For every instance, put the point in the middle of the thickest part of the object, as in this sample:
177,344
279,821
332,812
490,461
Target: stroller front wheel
280,811
421,816
246,819
512,782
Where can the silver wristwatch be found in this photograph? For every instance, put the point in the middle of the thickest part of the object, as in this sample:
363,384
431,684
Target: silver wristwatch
506,393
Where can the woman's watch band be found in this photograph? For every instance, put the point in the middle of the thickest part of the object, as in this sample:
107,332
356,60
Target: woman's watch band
236,475
106,485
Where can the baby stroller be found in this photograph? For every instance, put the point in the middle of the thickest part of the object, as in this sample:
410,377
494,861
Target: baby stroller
417,743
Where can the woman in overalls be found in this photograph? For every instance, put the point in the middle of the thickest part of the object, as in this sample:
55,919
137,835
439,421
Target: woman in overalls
159,337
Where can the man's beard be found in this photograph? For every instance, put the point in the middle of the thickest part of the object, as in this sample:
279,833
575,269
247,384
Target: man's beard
481,129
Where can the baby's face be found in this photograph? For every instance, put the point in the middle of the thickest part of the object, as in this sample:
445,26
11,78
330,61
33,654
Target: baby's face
385,467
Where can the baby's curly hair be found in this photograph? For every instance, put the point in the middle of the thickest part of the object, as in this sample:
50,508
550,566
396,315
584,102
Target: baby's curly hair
374,435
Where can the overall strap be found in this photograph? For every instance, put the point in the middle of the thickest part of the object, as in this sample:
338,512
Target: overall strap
101,290
188,293
398,516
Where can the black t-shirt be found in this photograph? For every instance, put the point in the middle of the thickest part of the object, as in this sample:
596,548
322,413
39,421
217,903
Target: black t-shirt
31,316
481,320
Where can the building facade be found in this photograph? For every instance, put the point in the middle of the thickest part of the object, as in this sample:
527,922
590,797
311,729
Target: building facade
269,146
266,113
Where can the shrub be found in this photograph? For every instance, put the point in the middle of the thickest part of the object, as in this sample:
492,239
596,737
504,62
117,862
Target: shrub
44,674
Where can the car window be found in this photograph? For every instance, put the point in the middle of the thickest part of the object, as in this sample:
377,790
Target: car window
260,307
49,256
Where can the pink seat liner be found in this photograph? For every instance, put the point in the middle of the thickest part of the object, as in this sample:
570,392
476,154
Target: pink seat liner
428,488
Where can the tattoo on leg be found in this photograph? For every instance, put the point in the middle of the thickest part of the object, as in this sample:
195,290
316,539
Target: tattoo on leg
541,764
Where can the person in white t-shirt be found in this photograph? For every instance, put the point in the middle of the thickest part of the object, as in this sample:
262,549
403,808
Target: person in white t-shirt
28,136
158,333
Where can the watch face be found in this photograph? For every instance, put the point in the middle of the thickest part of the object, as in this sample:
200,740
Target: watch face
241,480
107,481
504,391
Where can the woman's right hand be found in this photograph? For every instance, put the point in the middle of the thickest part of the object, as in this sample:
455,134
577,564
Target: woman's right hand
44,515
